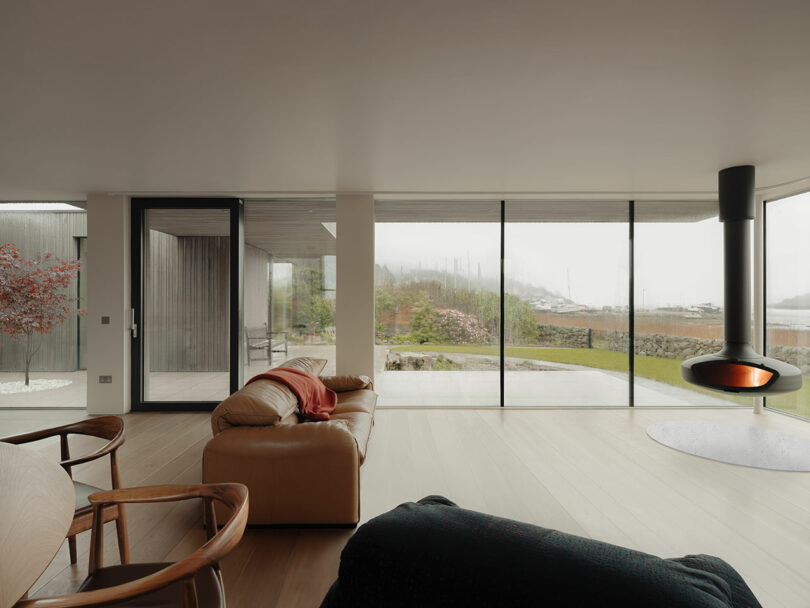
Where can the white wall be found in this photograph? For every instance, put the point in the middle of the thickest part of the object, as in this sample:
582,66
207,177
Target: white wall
355,285
108,294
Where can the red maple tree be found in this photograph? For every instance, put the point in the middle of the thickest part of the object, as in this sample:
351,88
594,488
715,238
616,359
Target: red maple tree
32,297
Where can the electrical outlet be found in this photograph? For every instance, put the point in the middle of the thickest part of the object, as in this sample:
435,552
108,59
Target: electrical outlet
105,379
105,320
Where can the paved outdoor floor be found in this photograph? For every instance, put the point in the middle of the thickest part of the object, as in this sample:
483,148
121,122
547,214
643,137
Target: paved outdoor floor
566,387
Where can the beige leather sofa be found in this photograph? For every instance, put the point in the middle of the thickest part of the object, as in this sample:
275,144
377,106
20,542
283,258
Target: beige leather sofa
297,472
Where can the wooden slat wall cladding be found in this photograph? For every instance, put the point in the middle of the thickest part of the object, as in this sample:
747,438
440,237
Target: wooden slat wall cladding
34,233
187,302
257,287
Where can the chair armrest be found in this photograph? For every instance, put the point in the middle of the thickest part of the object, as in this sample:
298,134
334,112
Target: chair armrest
229,493
104,427
34,436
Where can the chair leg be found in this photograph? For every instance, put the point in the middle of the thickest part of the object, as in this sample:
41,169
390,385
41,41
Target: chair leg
123,537
72,549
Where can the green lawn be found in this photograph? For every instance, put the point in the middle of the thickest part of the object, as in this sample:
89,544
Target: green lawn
655,368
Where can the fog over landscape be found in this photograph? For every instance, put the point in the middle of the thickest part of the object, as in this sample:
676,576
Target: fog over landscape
589,261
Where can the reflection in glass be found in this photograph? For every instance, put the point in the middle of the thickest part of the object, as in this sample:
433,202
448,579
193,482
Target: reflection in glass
788,294
566,273
437,275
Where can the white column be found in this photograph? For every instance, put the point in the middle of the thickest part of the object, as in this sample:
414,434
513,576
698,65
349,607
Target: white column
355,285
759,287
108,299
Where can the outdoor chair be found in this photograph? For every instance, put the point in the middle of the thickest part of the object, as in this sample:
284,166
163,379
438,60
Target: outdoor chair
263,341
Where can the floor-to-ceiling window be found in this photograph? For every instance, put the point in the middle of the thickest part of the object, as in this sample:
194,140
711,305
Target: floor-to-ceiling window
678,299
555,324
290,282
566,303
787,291
437,278
42,288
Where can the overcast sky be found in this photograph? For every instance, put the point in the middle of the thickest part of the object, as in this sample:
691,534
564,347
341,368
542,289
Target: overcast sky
587,260
788,242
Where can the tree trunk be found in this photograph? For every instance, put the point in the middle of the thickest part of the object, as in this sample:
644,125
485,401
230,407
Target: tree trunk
28,357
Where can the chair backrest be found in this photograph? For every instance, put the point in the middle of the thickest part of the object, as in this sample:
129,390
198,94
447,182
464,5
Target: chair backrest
110,428
233,495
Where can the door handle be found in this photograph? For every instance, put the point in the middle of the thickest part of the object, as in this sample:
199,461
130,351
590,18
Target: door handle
133,326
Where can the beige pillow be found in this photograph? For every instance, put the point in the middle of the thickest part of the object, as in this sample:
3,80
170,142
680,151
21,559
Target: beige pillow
260,403
341,384
307,364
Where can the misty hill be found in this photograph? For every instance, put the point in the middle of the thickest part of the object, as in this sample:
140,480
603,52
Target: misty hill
802,301
472,281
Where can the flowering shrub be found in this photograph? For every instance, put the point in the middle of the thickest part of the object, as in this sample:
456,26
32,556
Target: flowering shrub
456,327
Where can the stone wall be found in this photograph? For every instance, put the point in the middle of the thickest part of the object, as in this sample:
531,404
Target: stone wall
795,355
664,345
657,345
652,345
559,335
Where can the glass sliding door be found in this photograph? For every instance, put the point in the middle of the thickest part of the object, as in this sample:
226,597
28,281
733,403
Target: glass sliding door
678,299
186,306
787,292
566,303
437,274
290,282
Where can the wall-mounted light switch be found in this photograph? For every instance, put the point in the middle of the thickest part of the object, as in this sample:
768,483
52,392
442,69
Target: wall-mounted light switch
105,379
105,320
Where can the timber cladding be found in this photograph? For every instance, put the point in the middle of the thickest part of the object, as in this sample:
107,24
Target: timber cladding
187,302
36,232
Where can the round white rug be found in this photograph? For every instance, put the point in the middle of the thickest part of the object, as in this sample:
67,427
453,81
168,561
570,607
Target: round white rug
735,444
13,388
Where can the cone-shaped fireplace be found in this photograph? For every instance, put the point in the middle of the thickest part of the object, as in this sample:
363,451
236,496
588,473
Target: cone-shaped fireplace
737,368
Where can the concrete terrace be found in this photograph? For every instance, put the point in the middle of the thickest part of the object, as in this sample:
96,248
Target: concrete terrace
569,386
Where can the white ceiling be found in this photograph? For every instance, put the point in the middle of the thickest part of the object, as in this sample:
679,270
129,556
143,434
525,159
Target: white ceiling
410,96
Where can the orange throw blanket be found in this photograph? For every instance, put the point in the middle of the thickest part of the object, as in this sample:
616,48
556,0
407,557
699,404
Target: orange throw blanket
315,401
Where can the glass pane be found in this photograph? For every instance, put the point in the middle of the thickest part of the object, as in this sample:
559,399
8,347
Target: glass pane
290,282
437,273
39,241
788,294
566,283
186,271
679,300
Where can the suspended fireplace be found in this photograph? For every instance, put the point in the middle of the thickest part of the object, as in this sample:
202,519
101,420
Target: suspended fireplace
738,368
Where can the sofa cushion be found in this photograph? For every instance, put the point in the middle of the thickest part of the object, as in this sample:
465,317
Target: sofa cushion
261,403
435,554
341,384
307,364
359,424
356,401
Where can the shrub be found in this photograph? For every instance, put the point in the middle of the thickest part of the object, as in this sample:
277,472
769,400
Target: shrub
456,327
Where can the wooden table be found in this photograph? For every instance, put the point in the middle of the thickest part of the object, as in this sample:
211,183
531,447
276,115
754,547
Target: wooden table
37,502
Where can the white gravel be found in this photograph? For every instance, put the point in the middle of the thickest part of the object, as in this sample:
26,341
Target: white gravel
11,388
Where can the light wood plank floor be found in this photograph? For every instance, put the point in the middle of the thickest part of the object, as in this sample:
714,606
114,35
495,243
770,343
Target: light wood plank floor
588,472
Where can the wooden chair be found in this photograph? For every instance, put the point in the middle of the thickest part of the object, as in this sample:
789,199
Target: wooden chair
104,427
192,582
